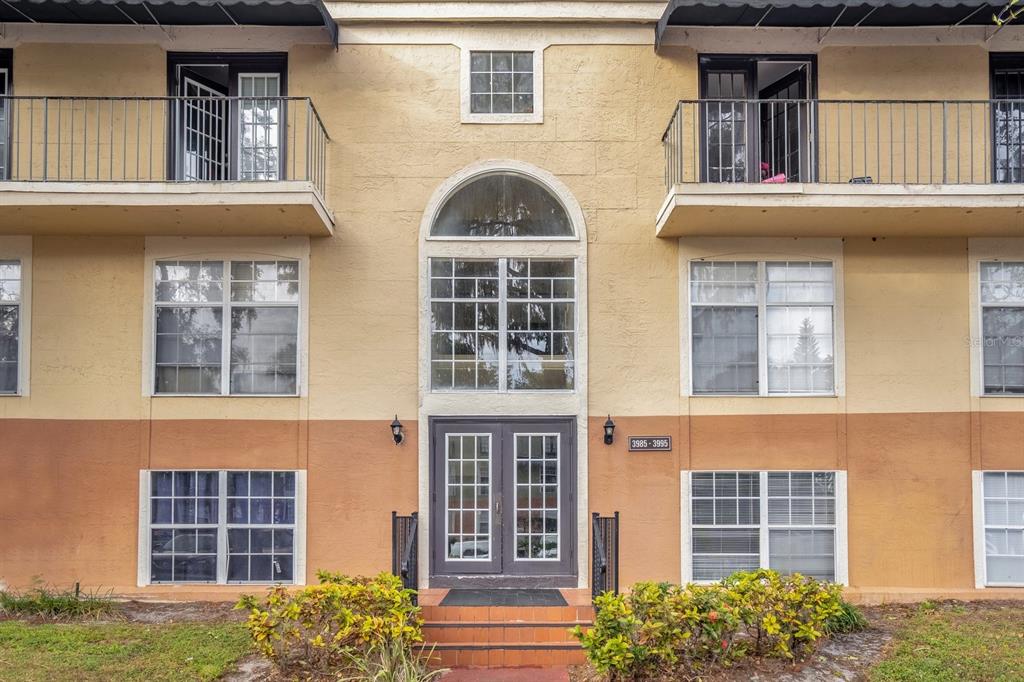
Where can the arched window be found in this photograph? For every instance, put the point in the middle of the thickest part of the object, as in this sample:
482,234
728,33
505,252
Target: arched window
502,205
504,254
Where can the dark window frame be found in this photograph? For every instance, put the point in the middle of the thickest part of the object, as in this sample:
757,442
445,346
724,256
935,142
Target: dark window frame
237,63
747,63
7,62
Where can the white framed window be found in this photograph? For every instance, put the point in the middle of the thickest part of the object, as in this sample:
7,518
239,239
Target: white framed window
1001,287
259,126
762,327
789,521
999,528
502,85
222,526
10,326
502,324
226,327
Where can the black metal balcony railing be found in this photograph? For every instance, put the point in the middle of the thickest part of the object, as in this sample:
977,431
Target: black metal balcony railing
404,549
841,141
605,548
162,139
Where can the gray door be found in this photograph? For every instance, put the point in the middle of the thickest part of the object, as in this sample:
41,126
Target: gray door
503,498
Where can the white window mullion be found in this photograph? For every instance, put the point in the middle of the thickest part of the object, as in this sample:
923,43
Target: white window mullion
225,333
842,563
503,325
222,533
762,329
145,536
763,532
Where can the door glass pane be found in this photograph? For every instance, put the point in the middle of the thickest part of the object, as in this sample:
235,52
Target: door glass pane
726,127
259,111
537,477
203,112
468,496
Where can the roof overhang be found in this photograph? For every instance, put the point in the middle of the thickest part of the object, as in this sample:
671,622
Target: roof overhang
172,13
827,13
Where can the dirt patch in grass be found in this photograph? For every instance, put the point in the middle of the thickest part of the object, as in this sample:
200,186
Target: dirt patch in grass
182,612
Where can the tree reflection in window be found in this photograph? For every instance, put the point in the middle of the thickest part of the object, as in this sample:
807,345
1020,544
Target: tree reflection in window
503,205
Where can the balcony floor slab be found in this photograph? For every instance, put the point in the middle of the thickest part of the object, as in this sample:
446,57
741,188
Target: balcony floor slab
289,207
842,210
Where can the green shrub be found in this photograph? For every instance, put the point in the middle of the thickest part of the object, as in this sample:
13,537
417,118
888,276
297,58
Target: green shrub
784,615
849,619
57,604
662,630
324,628
393,662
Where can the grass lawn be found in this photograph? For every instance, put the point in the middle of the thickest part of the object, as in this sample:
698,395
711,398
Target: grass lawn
956,642
119,651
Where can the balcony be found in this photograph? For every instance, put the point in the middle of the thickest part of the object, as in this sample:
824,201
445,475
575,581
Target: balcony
163,165
779,167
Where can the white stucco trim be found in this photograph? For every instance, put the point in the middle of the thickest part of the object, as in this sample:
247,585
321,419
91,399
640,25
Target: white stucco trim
842,531
642,11
978,518
981,249
520,403
511,43
20,249
762,249
225,248
550,33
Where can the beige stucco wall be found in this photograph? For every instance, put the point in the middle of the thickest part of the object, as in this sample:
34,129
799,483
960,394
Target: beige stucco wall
903,429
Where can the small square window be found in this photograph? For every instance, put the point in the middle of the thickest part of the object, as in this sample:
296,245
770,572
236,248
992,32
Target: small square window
502,86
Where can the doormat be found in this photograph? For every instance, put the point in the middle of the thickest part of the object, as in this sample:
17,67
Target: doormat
503,597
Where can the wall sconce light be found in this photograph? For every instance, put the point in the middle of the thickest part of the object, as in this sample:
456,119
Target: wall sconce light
396,431
609,431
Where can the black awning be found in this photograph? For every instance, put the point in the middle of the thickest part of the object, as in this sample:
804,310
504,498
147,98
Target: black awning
172,13
823,13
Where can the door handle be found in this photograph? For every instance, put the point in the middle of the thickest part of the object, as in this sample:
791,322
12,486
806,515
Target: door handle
497,510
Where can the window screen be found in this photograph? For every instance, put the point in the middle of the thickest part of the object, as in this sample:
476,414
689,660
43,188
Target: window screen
222,526
501,82
1004,527
1002,321
741,521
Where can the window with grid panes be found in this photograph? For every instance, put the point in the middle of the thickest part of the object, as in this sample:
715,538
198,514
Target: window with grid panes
1002,322
1004,527
501,82
761,328
226,327
10,324
503,324
222,526
732,513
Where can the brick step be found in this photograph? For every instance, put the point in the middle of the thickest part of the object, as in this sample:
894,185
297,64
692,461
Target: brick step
505,655
500,632
507,614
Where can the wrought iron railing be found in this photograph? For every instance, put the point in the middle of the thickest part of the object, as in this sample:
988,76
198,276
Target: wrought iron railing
162,139
841,141
404,549
605,549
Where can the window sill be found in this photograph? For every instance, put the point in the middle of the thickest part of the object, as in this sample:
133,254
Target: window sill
503,119
769,395
222,395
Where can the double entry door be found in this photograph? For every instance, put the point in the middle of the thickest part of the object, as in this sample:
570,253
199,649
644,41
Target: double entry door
503,500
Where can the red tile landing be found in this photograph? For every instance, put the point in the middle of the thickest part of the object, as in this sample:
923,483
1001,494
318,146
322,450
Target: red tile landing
555,674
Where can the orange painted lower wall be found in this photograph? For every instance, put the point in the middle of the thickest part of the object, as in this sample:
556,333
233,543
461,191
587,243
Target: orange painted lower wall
69,489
